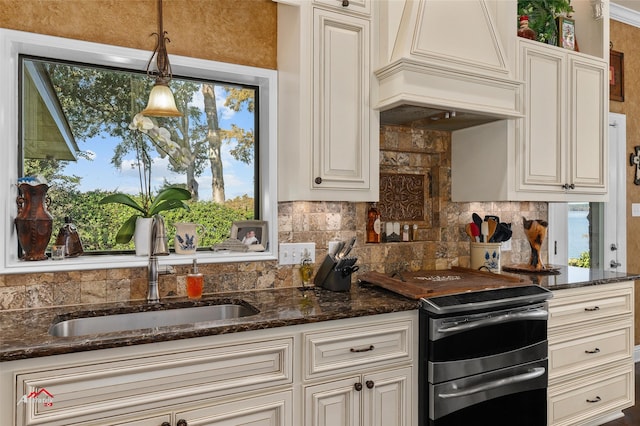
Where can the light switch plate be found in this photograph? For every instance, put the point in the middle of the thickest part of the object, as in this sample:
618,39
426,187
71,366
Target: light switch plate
291,253
635,209
506,245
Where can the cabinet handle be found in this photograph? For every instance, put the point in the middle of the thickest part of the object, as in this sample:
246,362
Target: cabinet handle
370,384
597,399
370,348
568,186
182,422
595,308
345,3
358,386
318,180
595,351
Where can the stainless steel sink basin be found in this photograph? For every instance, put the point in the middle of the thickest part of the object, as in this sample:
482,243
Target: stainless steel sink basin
150,319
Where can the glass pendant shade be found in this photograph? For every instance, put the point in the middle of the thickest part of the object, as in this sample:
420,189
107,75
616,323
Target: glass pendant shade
161,103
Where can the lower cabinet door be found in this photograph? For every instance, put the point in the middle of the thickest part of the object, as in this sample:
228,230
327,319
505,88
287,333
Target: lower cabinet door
335,403
273,409
387,400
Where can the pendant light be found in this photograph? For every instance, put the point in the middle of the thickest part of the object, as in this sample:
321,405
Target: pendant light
161,102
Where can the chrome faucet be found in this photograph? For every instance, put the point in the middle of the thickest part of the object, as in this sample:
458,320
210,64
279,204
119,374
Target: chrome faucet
158,247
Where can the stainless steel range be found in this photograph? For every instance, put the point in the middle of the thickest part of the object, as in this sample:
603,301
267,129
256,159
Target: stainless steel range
483,358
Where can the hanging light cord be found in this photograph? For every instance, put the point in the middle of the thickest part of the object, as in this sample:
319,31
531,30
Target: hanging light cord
162,73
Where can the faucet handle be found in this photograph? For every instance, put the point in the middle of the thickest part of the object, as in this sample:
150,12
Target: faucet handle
159,244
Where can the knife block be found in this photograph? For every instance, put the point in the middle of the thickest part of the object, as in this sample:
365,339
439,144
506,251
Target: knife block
336,281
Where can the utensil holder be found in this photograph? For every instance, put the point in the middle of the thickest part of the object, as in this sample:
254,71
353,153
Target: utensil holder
485,256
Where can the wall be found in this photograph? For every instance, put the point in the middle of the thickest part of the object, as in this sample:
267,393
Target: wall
223,24
625,39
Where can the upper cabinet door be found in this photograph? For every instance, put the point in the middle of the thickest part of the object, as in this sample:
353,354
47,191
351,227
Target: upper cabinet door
340,99
588,130
541,147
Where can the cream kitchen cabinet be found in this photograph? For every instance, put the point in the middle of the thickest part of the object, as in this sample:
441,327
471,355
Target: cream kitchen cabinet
563,137
253,377
190,381
557,152
377,399
328,134
591,366
361,376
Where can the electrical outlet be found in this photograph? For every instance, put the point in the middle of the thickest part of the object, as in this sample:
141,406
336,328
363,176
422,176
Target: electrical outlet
506,245
291,253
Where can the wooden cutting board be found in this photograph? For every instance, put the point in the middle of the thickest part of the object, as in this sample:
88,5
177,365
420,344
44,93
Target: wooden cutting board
419,284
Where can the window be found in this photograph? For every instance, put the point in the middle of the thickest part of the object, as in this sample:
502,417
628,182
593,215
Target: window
94,143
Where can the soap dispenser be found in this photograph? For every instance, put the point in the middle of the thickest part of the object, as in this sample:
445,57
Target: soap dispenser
70,239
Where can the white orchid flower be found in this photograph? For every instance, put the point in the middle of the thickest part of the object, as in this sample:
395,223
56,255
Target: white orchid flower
141,123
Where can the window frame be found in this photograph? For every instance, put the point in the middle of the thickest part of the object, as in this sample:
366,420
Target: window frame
15,43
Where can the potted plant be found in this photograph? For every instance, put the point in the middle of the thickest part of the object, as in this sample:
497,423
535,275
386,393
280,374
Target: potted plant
167,199
542,17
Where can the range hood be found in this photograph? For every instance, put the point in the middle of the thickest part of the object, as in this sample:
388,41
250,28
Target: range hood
444,65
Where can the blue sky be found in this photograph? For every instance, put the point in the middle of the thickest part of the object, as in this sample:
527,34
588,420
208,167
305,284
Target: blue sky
100,173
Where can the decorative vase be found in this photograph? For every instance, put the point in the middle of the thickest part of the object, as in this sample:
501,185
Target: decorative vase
142,236
34,224
535,230
186,239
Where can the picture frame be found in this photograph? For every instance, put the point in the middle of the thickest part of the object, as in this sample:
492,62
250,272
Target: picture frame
616,76
253,233
566,33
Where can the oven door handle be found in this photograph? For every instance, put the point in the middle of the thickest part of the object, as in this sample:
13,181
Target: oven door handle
532,374
538,314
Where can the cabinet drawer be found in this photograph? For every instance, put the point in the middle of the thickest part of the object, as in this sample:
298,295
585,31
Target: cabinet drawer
92,389
575,306
357,6
587,350
584,399
353,347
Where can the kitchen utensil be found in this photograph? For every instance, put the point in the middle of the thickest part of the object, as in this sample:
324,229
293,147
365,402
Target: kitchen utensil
477,220
347,250
484,232
467,229
475,230
492,225
338,249
503,232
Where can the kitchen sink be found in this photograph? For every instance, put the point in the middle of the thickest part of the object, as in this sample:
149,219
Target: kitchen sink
108,323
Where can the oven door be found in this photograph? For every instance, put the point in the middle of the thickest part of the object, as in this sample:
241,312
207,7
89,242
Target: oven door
506,397
465,345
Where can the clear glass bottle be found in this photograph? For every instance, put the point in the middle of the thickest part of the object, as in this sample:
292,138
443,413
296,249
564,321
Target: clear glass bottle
306,268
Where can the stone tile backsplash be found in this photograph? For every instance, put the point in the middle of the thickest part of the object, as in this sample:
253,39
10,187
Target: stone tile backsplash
440,241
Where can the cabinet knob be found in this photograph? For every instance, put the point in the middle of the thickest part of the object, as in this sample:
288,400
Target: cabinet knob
318,180
358,386
182,422
345,3
370,384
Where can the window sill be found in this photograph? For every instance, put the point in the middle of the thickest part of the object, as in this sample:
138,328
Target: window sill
83,263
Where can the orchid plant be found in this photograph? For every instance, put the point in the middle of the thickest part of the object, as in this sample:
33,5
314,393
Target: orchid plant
167,199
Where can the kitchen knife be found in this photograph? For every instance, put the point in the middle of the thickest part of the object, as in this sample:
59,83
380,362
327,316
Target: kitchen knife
349,247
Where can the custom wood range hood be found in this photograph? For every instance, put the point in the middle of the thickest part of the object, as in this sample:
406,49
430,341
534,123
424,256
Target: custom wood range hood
448,65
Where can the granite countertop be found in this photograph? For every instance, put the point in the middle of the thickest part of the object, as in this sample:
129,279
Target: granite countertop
25,332
572,277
